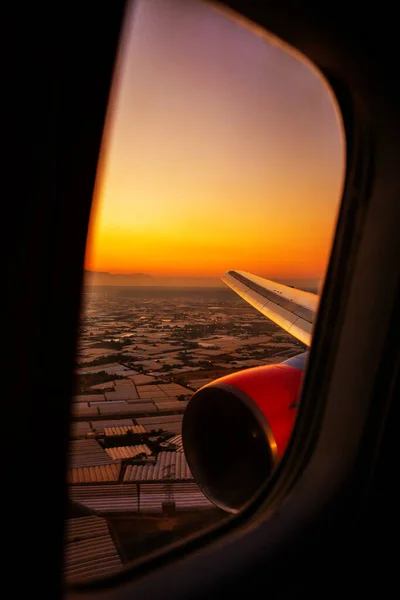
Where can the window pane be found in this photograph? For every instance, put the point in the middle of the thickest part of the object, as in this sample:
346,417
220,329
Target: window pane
223,155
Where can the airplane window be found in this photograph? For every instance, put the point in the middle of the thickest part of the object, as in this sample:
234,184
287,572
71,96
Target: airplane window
217,193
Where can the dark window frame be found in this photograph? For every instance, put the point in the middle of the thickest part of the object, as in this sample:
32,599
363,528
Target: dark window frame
53,142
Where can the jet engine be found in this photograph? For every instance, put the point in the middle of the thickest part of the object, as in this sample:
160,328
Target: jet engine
236,429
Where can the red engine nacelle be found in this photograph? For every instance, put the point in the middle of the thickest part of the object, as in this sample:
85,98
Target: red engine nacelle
236,429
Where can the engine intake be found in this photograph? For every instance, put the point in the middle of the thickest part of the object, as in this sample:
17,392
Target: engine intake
236,429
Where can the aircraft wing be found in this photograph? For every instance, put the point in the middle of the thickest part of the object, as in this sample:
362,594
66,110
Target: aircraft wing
292,309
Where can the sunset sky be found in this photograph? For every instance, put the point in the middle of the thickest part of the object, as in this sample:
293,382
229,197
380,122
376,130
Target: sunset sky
221,151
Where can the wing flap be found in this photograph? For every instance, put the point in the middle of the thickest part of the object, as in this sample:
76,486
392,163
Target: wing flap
301,330
292,309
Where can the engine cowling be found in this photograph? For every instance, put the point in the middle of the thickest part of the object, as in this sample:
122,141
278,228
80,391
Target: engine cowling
236,429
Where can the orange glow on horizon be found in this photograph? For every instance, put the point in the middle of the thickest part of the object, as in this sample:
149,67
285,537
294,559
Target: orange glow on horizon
221,152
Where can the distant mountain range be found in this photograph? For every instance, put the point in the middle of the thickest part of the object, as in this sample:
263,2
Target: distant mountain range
143,279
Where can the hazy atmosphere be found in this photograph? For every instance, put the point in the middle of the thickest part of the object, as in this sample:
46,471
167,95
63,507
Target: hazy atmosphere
221,151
